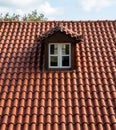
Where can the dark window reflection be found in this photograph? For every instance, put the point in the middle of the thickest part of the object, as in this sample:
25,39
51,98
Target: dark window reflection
65,60
54,61
65,49
53,49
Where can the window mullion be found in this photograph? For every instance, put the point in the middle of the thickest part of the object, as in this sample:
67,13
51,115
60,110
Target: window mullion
49,56
60,55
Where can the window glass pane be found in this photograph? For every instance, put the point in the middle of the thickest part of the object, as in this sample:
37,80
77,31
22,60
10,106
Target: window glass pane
65,49
53,49
65,60
54,61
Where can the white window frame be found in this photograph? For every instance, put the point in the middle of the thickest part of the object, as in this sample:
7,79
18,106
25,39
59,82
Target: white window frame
59,55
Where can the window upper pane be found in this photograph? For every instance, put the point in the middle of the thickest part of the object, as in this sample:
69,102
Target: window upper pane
65,49
53,49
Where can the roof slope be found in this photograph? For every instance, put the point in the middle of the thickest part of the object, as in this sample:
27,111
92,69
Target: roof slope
83,99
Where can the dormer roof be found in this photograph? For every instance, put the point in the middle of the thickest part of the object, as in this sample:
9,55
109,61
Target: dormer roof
74,35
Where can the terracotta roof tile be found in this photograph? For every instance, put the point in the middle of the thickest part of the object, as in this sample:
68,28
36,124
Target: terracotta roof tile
32,99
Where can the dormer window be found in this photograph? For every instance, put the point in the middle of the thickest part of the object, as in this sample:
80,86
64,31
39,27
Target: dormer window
59,55
58,48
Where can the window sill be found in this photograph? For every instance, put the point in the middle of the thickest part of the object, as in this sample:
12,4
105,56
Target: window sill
60,70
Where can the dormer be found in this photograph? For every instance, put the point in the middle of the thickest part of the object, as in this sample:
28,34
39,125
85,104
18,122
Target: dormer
59,45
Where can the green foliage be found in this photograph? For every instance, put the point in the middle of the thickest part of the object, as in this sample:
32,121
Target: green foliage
33,16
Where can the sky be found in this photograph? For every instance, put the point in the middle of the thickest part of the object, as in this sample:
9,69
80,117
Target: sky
63,9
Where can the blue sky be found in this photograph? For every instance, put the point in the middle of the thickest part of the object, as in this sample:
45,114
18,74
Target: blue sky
63,9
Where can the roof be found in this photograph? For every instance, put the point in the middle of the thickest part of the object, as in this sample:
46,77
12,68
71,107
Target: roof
82,99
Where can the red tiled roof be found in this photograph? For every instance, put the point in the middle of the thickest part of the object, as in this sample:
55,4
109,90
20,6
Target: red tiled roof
83,99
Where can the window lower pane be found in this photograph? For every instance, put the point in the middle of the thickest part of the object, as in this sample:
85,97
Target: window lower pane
54,61
65,60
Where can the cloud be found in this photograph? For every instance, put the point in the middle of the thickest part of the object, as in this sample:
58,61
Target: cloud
97,5
47,9
19,7
19,3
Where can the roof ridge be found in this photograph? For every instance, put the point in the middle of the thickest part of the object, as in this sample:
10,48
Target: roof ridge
59,21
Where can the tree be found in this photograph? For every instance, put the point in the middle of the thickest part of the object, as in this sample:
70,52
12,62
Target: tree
33,16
